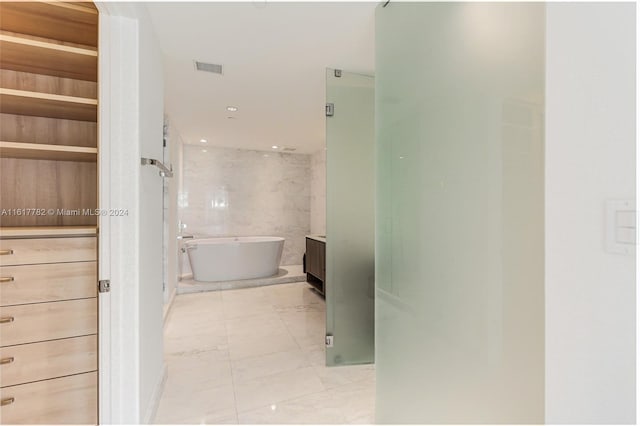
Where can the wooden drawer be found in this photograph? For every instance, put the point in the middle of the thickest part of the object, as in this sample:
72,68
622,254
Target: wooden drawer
47,250
47,283
67,400
48,321
47,360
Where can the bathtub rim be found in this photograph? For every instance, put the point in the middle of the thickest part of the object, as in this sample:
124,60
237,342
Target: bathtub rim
232,240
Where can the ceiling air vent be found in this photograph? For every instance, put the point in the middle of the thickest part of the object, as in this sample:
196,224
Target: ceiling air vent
289,149
203,66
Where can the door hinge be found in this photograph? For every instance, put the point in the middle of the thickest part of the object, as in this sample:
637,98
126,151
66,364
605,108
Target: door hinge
328,341
104,286
329,110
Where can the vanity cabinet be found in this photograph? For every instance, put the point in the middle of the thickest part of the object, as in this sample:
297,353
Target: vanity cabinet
48,197
315,258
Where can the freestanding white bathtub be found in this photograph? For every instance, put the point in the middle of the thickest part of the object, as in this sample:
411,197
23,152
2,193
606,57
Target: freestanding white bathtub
234,258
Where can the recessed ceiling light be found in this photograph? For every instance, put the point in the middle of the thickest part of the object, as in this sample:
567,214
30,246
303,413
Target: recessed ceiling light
203,140
274,147
232,108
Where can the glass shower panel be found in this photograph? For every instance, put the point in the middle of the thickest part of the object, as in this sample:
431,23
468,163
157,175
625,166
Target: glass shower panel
349,286
459,213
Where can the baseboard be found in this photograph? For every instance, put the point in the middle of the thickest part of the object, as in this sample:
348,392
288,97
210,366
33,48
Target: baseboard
155,398
167,307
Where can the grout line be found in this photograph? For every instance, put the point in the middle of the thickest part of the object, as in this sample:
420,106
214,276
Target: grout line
302,350
176,311
233,380
303,353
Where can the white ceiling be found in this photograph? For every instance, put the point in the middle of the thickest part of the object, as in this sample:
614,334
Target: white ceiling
274,57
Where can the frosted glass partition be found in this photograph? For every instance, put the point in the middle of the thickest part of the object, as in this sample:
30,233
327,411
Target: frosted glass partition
459,213
350,218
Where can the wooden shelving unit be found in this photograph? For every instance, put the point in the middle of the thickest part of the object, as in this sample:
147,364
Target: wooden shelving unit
48,198
47,231
23,102
67,22
22,53
36,151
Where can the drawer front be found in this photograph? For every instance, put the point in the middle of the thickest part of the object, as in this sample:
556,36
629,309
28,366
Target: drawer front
47,283
47,250
315,258
47,360
67,400
47,321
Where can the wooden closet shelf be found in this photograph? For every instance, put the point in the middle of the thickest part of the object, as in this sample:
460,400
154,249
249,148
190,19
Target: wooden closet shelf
70,22
39,57
46,231
40,104
36,151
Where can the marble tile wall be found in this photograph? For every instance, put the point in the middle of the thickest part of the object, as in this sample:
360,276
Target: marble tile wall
318,192
236,192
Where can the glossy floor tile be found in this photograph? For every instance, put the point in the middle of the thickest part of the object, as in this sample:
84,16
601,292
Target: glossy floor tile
256,356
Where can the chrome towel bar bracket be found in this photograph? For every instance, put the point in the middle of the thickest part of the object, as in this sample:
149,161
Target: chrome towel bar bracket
164,170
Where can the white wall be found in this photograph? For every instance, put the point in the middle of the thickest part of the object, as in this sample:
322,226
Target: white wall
151,90
318,201
119,166
590,158
131,127
239,192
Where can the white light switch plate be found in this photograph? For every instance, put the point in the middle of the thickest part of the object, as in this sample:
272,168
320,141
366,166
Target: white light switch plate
621,233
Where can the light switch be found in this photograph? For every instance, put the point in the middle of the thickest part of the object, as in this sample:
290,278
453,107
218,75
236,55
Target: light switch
621,232
626,235
626,219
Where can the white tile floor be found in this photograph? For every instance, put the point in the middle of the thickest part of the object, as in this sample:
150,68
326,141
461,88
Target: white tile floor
256,355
